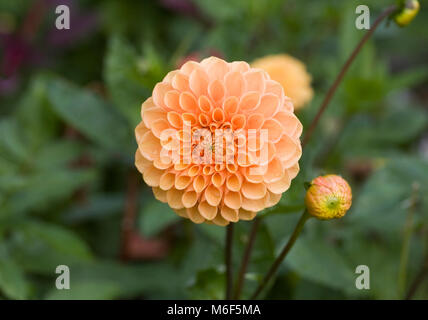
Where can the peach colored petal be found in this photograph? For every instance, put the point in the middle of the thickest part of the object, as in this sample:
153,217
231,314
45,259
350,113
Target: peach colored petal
189,199
274,129
230,106
206,210
167,181
152,114
218,220
255,80
159,93
199,183
255,121
149,146
249,101
175,120
174,197
213,195
218,178
281,185
229,214
233,199
238,121
293,171
182,181
158,126
194,215
216,90
171,100
180,82
239,66
275,171
273,199
218,115
140,162
253,205
234,182
152,176
198,82
253,191
246,215
234,84
159,194
269,105
205,104
217,68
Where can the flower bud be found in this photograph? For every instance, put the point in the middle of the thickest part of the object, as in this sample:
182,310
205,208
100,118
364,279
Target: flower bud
407,13
328,197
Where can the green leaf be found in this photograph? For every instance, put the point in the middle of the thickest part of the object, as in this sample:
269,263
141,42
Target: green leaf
124,79
57,238
12,280
88,290
209,284
89,114
155,216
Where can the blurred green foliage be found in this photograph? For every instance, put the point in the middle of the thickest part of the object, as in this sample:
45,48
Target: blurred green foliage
67,149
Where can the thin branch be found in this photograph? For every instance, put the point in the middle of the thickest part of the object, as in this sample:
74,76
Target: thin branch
305,216
343,71
228,260
246,258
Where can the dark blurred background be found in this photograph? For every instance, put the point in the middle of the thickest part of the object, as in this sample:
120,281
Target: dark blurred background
70,195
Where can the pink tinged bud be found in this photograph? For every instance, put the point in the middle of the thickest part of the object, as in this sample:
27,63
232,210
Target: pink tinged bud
328,197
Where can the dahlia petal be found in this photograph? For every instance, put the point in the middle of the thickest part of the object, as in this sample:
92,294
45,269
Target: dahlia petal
255,80
175,120
194,215
174,197
149,146
218,178
233,199
274,88
234,83
249,101
206,210
189,199
159,126
229,214
253,174
293,171
140,131
159,194
152,114
255,121
199,183
205,104
246,215
239,66
234,182
198,82
163,162
275,171
152,176
188,102
269,105
172,100
217,68
286,148
167,181
273,199
281,185
218,115
189,119
190,66
204,119
140,162
194,170
182,181
253,204
253,191
230,106
159,93
238,121
274,129
147,104
182,212
218,220
180,82
289,122
169,76
216,90
213,195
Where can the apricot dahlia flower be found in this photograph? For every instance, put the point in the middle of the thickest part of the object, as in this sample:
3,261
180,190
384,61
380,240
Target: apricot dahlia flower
218,141
291,74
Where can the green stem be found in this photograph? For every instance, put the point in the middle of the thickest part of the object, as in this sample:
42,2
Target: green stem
343,71
408,232
228,260
246,258
305,216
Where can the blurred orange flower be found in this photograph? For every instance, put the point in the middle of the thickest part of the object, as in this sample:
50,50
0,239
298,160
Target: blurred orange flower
291,74
218,141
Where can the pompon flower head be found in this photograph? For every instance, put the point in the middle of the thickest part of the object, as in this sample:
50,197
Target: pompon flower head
291,74
328,197
218,141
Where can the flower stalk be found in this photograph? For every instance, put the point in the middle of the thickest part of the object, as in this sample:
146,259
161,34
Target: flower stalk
228,260
386,13
305,216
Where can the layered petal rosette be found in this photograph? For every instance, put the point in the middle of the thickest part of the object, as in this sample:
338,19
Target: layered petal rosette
218,141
